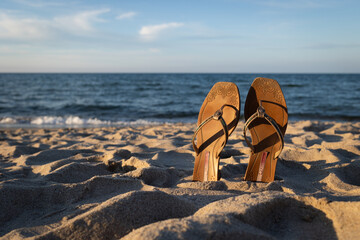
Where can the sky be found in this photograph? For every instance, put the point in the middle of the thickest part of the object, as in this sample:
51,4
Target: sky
202,36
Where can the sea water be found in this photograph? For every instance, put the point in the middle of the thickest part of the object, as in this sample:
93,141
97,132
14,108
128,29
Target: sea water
61,100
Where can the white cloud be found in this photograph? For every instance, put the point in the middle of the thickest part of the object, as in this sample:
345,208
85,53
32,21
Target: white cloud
22,28
151,31
81,21
126,15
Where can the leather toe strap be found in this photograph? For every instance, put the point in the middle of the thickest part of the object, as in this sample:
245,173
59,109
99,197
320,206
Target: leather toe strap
217,116
260,113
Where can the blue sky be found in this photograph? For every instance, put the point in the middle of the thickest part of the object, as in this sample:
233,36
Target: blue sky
237,36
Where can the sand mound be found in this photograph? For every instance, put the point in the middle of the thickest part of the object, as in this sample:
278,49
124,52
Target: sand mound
51,155
30,204
275,213
119,215
350,173
179,159
267,215
76,172
197,228
155,176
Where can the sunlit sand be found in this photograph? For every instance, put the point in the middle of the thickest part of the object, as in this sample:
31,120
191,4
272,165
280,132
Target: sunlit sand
136,183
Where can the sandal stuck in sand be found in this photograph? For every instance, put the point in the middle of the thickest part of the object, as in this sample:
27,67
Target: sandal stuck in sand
266,118
218,118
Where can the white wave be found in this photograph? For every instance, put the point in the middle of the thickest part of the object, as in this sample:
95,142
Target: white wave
140,122
71,121
7,120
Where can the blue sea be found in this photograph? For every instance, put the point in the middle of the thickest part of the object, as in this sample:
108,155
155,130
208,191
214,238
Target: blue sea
65,100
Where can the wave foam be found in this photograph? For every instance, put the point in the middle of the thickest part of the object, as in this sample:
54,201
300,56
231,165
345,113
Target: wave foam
70,121
7,120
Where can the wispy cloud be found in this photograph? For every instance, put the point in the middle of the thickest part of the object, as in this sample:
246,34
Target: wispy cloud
294,4
81,21
39,3
126,15
22,28
152,31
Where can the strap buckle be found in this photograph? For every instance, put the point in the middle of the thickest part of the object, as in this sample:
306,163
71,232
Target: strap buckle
260,110
260,113
218,114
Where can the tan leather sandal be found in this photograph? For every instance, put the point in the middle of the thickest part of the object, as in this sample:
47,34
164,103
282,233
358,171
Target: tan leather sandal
218,118
266,118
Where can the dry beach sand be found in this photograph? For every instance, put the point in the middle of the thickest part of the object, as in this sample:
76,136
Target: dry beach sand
135,183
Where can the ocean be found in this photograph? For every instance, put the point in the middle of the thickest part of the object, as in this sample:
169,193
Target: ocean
87,100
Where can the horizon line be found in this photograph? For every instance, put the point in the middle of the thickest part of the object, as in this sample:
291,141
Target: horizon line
81,72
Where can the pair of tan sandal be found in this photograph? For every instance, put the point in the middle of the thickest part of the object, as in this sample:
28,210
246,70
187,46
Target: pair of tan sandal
266,118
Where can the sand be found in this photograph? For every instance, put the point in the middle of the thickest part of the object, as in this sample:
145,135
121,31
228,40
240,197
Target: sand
135,183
